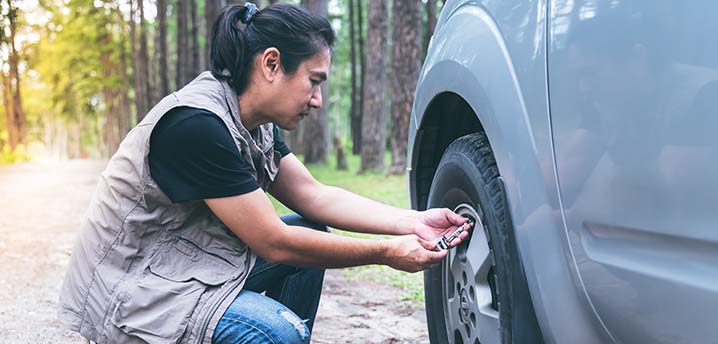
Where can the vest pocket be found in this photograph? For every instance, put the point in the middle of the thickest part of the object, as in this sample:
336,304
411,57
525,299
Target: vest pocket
182,261
154,310
156,307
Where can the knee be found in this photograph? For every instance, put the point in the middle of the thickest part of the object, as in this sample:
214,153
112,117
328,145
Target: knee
283,327
295,329
298,220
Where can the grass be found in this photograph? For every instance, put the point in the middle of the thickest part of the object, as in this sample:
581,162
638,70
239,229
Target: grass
8,156
381,187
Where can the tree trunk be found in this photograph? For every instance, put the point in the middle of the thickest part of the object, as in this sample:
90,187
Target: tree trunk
339,149
315,126
142,65
136,72
430,23
194,63
294,139
361,70
161,48
374,117
73,142
9,108
15,114
182,44
124,119
108,98
354,114
211,11
406,64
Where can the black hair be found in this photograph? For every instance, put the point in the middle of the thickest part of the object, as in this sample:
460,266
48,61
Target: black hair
296,32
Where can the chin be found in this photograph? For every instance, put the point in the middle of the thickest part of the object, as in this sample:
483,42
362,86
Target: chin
287,126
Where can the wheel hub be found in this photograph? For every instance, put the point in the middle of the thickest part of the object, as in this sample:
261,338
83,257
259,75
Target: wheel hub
469,315
464,307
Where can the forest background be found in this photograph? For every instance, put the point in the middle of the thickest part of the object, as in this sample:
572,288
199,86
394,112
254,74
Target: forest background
77,75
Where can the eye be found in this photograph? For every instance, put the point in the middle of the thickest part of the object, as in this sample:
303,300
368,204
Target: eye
315,82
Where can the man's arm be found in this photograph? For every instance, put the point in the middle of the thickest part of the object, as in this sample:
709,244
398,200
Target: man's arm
252,218
296,188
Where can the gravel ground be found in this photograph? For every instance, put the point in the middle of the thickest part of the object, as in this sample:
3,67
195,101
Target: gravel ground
41,205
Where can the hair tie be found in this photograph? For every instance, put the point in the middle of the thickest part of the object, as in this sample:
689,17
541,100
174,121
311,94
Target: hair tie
249,14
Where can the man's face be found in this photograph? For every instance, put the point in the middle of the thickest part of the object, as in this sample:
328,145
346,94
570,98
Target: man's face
300,92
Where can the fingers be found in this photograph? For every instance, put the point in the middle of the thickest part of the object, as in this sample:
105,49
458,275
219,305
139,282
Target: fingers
437,256
459,239
463,235
454,217
434,258
432,255
413,254
428,245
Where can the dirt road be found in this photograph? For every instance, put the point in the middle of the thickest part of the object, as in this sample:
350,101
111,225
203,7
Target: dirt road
41,205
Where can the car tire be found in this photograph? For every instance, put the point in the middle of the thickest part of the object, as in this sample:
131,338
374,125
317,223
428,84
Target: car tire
494,306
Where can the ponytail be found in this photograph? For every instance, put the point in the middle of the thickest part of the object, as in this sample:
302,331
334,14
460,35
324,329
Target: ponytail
229,58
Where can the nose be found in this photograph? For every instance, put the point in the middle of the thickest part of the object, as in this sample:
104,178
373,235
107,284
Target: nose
316,100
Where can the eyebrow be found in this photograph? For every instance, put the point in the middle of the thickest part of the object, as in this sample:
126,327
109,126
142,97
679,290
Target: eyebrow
321,75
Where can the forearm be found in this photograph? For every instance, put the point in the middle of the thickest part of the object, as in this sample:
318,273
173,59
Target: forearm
299,246
345,210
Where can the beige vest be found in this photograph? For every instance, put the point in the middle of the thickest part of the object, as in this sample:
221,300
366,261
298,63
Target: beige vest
145,269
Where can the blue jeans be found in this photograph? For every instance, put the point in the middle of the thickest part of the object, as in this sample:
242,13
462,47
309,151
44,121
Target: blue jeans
286,314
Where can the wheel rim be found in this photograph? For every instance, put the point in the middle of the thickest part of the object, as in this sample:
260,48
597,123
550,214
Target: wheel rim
469,304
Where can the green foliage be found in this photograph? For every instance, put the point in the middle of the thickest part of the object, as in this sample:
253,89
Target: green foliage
378,186
411,285
10,157
74,61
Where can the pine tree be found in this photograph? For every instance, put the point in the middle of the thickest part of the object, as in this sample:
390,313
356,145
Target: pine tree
374,116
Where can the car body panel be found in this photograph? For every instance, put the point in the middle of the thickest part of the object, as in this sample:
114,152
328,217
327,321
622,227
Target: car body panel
497,64
633,101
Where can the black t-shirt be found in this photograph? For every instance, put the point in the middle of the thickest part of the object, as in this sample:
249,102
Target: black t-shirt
193,156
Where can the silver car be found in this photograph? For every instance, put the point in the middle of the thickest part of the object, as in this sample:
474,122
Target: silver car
582,136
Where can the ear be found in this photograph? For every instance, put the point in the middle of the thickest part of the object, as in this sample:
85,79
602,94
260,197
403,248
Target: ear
270,64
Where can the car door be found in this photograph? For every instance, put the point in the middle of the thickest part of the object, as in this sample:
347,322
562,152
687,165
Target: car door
633,93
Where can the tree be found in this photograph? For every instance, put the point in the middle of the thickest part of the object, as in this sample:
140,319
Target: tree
361,69
15,116
140,100
194,63
161,48
182,44
354,114
406,65
315,127
211,11
142,64
374,116
124,118
111,130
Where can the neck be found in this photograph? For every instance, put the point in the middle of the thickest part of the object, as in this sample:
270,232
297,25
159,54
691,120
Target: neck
249,112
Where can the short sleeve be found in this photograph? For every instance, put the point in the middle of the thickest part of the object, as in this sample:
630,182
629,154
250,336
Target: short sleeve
193,157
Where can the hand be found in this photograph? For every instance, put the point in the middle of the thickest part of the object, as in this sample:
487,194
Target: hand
411,254
431,224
